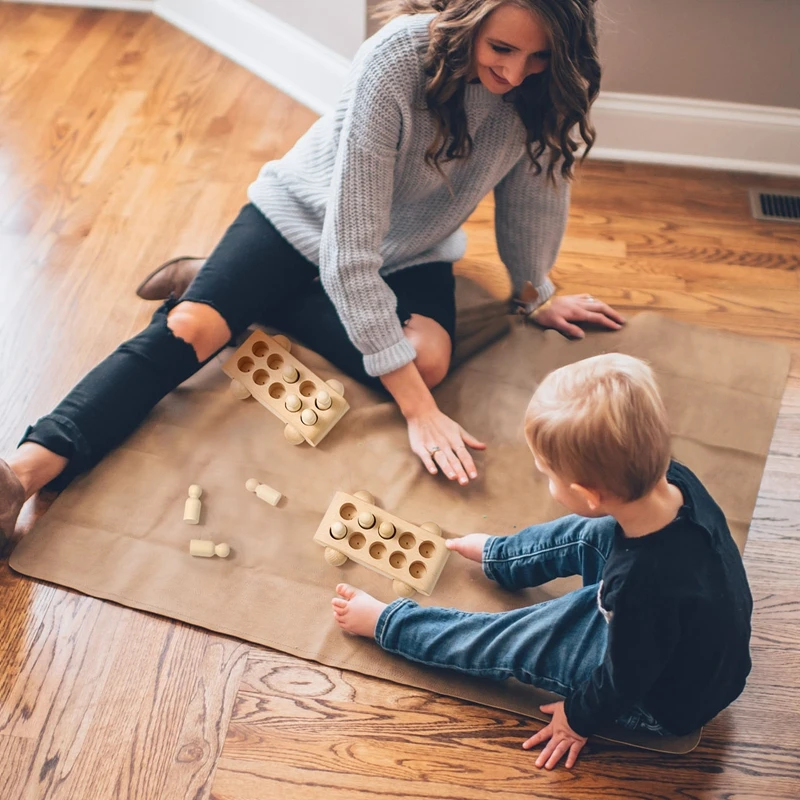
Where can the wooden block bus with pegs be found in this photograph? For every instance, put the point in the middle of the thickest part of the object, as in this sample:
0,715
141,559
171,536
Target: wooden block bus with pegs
264,368
353,527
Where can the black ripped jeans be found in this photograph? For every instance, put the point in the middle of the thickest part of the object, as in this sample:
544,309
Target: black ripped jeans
253,275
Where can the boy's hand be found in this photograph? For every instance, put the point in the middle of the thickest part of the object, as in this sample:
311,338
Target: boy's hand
470,546
562,739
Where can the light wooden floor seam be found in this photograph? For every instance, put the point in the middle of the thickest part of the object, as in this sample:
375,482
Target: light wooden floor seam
124,142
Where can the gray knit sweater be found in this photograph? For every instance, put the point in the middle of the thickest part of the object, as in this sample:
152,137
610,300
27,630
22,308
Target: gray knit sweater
355,196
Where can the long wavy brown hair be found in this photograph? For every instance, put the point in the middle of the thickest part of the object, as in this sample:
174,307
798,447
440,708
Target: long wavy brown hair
551,104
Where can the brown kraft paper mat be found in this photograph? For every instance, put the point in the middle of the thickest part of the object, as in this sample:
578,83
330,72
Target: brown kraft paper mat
117,532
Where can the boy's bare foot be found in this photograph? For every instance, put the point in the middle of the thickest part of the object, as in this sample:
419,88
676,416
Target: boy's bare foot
356,611
12,498
470,546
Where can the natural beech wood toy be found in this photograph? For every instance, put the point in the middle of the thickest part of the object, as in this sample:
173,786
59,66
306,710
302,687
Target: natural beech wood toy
191,508
413,556
264,368
206,549
264,492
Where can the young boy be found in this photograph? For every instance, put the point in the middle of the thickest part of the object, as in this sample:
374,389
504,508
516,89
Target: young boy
658,637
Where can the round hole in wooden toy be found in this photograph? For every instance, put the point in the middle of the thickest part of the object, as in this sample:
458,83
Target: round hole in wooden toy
275,361
307,388
427,549
417,569
357,541
348,511
377,550
245,364
397,560
260,377
407,541
260,349
277,390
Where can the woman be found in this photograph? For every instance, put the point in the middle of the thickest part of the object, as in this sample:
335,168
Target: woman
348,241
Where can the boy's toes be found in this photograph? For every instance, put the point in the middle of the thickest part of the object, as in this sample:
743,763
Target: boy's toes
346,591
339,604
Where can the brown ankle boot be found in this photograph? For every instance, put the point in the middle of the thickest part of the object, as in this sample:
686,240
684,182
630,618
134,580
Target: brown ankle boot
12,498
172,277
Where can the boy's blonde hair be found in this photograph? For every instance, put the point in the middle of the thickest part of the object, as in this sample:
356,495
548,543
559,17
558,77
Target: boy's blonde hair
601,423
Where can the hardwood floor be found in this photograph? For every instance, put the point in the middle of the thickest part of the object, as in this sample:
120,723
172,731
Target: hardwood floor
123,142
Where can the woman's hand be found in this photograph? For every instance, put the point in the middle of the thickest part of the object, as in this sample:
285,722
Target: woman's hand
441,443
562,311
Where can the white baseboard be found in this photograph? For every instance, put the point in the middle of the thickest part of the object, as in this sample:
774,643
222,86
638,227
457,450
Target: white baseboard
697,133
111,5
285,57
630,127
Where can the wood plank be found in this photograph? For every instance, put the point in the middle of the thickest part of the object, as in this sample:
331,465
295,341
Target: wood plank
308,731
15,759
200,742
123,142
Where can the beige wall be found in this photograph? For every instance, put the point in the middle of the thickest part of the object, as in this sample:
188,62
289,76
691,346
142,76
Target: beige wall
743,51
338,24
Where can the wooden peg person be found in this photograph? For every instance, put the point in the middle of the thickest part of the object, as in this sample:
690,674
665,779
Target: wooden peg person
366,520
203,548
293,402
263,492
191,508
308,417
323,401
386,530
338,530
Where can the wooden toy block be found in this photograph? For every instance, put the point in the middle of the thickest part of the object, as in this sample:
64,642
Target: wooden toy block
191,508
413,556
204,548
264,492
264,368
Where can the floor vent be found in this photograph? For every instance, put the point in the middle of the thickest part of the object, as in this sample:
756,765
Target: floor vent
773,206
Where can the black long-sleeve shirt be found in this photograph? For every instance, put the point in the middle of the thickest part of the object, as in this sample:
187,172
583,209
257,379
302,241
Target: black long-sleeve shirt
678,608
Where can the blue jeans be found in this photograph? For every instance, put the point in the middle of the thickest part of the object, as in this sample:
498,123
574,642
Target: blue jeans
553,645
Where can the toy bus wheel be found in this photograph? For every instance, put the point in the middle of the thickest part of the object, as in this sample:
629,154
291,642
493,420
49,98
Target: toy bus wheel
292,435
337,386
283,342
364,495
334,557
239,390
403,589
431,527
